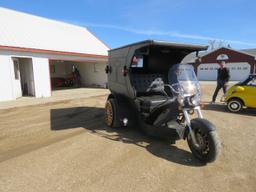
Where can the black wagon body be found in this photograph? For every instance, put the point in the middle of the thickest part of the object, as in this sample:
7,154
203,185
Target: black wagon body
131,70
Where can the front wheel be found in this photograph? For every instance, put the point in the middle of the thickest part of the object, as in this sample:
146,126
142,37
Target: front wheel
208,145
235,105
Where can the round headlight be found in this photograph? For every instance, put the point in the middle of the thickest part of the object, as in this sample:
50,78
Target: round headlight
195,100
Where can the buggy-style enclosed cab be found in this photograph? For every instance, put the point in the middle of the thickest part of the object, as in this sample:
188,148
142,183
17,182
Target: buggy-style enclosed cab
151,88
132,68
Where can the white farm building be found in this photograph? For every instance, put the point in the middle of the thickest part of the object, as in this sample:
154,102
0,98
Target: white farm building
36,53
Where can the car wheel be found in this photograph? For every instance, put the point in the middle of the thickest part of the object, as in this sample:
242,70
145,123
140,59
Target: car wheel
235,105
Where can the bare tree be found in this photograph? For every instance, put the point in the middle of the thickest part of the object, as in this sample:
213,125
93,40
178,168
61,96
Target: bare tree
214,44
221,43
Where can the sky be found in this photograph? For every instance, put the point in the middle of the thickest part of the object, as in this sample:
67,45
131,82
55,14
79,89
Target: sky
120,22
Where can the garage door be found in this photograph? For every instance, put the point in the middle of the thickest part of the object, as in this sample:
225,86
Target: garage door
238,71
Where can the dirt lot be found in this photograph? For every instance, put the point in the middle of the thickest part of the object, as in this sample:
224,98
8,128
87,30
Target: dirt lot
66,147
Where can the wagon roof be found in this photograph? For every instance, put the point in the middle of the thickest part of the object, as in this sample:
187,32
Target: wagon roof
145,43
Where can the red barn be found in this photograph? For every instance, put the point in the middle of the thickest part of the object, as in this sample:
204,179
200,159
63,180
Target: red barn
240,63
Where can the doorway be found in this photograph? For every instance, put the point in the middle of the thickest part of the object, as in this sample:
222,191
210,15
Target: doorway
24,77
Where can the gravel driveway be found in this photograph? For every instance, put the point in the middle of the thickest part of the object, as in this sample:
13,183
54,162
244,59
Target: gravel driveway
66,147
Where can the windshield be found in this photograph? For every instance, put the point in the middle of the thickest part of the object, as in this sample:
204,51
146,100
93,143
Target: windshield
183,79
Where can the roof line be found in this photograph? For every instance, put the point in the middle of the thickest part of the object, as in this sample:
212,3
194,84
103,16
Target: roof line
33,50
229,49
163,43
241,51
97,37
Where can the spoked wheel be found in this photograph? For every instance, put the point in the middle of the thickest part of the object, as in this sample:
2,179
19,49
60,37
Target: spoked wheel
207,148
111,113
235,105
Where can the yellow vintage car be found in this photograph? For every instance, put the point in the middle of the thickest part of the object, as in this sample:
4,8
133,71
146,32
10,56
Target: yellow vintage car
242,94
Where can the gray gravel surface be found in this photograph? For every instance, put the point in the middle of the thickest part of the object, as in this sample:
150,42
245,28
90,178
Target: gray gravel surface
66,147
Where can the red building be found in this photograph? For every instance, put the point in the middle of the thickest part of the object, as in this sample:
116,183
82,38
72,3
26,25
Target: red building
240,63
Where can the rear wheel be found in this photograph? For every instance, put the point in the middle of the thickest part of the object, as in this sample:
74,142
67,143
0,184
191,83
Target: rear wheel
235,105
208,143
111,116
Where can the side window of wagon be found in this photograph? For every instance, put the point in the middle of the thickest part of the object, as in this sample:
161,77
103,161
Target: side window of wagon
137,62
252,82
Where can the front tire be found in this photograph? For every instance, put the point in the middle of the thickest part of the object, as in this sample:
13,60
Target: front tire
208,148
235,105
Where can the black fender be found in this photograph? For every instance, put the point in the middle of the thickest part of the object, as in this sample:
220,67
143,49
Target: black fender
121,101
125,108
205,125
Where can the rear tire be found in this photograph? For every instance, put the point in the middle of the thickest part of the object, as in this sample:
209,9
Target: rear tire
235,105
209,143
111,114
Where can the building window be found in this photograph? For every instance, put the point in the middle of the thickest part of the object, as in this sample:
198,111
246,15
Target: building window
95,70
16,69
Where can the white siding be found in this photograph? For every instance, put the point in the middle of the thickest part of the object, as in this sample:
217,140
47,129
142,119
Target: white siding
41,77
90,76
93,74
6,79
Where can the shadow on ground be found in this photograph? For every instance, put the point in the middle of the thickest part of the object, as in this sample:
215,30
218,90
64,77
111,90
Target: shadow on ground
92,119
223,108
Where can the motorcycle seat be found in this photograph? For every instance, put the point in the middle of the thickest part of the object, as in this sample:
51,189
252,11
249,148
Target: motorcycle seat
149,103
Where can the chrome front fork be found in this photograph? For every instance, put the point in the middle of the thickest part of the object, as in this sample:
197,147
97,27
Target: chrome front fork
188,122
